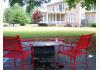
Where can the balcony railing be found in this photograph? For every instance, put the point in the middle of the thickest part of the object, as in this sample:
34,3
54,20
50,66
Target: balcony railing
53,22
58,22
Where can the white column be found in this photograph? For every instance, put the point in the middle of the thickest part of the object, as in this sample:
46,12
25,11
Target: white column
52,17
55,18
65,18
47,18
43,18
79,16
60,17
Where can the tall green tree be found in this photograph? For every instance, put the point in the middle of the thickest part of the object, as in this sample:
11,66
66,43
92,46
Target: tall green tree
87,4
16,15
30,4
20,2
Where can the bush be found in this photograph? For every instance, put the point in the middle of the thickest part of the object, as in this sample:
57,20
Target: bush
93,25
16,15
43,24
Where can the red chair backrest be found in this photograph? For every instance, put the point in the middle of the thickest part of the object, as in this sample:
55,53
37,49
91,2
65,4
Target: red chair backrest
11,43
84,42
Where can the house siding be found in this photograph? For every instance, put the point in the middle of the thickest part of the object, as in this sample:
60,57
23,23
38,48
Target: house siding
59,13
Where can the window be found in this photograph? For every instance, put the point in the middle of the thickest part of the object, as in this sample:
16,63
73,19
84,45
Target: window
60,7
53,8
71,17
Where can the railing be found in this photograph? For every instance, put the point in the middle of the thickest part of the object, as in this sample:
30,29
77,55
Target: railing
53,22
58,22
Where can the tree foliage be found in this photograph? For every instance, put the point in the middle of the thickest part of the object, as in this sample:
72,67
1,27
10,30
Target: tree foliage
87,4
30,4
15,15
20,2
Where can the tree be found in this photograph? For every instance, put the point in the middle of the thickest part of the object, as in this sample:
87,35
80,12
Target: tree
30,4
23,2
87,4
16,15
37,16
20,2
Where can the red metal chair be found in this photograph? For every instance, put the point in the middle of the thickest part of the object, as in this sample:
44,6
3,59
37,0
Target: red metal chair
15,50
73,53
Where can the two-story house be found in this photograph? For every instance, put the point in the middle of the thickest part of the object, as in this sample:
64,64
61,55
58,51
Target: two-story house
58,13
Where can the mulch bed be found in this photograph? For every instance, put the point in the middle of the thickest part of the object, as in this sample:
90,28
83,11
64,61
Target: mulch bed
67,39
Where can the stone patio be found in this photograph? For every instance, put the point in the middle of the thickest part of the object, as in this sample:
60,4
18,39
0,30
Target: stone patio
64,60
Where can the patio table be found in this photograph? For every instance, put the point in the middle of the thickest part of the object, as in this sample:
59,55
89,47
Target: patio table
44,52
43,43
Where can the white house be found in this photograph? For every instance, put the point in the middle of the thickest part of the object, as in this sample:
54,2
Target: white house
58,13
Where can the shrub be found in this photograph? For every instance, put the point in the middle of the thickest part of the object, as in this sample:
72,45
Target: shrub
43,24
16,15
93,25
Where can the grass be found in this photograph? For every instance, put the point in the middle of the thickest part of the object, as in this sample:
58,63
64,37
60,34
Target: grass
45,32
29,32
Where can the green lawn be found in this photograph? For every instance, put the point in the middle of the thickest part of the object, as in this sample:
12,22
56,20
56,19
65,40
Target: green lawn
29,32
41,32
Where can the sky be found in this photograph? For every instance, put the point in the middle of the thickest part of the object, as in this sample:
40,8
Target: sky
5,4
54,0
